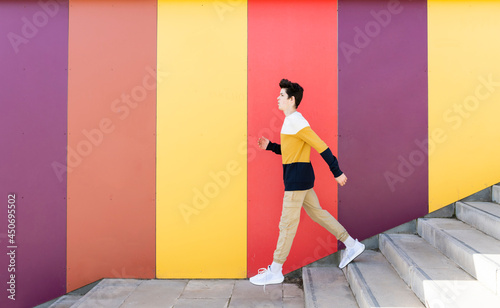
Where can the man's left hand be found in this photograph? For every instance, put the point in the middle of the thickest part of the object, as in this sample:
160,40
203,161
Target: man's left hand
341,179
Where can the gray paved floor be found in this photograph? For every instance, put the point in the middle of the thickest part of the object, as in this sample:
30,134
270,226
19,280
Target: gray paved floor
191,294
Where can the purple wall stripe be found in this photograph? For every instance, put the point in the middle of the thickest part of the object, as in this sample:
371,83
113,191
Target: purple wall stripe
33,119
382,114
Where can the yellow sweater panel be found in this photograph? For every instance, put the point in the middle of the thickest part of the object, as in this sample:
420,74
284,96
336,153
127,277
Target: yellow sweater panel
297,148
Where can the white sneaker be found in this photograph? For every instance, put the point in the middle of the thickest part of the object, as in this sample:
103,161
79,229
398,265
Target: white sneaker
351,253
265,276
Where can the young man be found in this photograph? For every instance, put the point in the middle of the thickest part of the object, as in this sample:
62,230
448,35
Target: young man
297,138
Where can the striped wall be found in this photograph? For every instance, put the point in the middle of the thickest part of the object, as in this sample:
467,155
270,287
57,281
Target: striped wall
201,156
278,49
111,140
382,113
129,129
33,100
464,83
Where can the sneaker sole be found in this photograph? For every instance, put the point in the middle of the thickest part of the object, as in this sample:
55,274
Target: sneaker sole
267,283
355,256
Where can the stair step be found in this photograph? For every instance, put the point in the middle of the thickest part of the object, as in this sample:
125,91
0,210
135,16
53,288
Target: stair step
326,285
475,252
484,216
495,193
108,293
66,301
375,283
434,278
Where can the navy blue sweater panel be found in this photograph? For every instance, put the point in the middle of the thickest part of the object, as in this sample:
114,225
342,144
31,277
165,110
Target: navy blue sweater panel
298,176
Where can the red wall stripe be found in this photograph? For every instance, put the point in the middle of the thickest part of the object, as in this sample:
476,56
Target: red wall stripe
280,46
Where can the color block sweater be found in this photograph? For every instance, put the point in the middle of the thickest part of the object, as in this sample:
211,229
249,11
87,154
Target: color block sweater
297,138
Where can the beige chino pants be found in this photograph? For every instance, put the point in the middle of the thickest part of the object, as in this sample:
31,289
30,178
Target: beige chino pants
290,217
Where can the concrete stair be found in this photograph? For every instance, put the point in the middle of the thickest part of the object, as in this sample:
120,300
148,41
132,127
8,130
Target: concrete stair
328,286
484,216
436,280
66,301
445,262
495,194
475,252
376,284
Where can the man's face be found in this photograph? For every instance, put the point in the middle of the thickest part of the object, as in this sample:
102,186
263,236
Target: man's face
283,100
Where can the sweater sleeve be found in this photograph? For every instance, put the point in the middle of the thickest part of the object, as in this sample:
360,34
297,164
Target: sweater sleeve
275,147
310,137
332,162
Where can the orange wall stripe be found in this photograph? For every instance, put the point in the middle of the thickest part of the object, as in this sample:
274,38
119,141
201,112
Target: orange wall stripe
111,142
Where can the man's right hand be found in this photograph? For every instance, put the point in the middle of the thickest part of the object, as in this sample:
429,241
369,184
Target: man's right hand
263,143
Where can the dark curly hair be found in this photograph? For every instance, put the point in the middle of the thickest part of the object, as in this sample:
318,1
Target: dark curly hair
292,89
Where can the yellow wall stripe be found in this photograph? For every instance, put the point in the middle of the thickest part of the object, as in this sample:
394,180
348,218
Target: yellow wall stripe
464,95
201,141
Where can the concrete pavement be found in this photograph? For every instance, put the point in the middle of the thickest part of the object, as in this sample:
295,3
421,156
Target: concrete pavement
186,294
